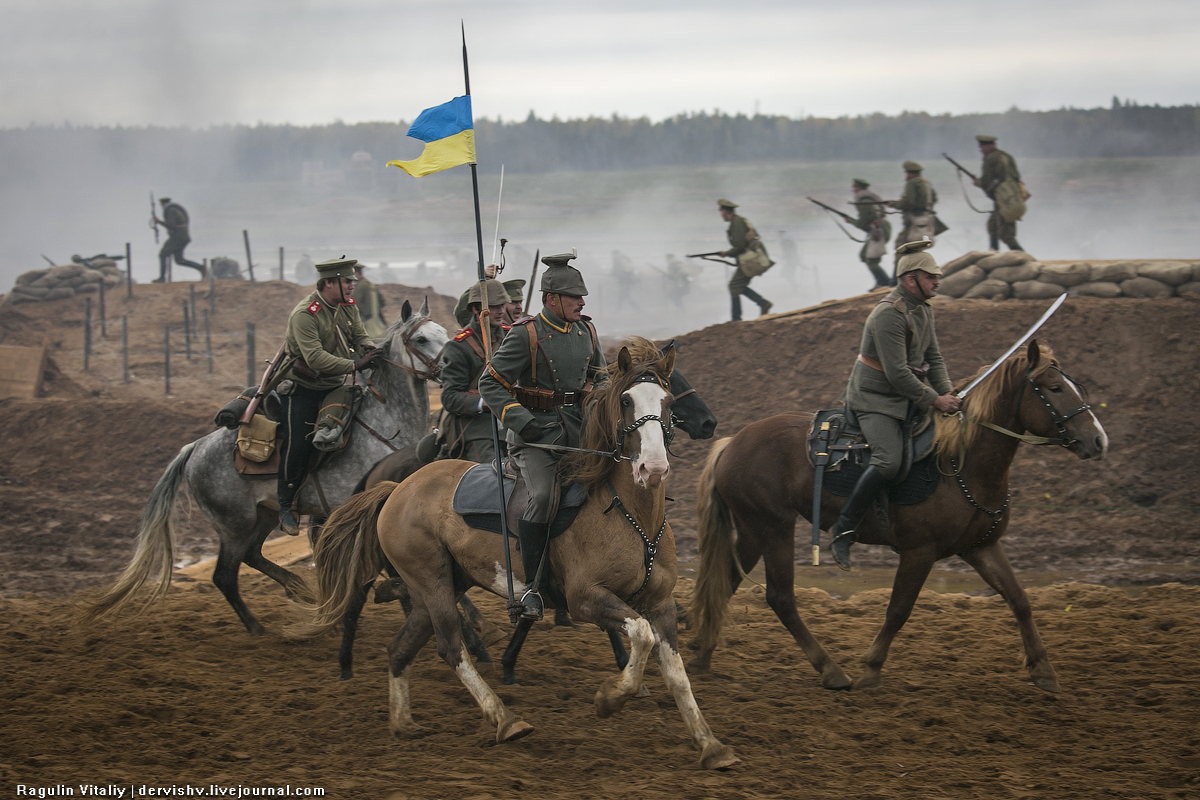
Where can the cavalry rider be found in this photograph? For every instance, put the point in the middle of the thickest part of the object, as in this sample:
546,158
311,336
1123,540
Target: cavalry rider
536,384
899,347
325,342
466,421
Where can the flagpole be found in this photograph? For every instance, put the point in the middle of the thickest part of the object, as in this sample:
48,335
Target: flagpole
485,325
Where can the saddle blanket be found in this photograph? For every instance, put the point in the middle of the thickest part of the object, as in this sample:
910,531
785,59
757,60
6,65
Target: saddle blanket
849,453
475,498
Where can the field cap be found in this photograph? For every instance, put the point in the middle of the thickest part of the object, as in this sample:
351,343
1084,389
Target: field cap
337,268
561,278
912,166
860,183
723,203
913,257
984,138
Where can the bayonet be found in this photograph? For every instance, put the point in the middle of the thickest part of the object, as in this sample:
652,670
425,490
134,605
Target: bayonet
1028,334
532,282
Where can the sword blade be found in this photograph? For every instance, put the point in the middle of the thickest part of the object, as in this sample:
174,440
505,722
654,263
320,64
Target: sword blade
996,365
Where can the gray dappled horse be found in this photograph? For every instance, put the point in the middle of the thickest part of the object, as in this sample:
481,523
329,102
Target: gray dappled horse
394,413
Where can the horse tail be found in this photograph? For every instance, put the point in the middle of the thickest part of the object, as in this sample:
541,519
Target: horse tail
155,543
714,577
347,556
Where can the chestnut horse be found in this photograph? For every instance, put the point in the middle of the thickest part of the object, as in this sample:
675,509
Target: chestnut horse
616,570
756,483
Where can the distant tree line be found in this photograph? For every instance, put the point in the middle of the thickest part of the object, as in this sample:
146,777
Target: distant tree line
280,152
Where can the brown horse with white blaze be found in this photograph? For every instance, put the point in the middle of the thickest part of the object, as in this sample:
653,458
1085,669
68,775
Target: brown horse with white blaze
756,484
616,570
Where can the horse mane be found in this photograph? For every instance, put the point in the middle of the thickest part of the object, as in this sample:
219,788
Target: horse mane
602,415
953,434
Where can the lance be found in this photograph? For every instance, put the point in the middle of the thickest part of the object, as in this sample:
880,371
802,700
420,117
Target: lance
485,324
532,282
1029,333
496,238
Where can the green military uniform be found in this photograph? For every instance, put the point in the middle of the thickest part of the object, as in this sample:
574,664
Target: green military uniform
535,384
873,221
466,426
370,304
998,167
898,343
321,346
917,203
175,219
742,237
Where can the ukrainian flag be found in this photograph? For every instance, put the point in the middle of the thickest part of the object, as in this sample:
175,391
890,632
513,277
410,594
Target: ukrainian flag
449,136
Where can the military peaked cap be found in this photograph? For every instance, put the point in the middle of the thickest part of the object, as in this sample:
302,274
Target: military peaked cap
912,166
723,203
984,138
164,199
497,295
561,278
337,268
515,289
860,183
913,257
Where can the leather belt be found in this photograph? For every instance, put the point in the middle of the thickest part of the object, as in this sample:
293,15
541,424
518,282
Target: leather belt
920,371
546,399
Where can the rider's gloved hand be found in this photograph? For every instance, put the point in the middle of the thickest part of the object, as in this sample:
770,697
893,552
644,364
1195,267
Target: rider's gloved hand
369,354
532,431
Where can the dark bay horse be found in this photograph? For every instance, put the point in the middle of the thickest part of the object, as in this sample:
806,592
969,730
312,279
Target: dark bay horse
616,570
756,483
690,414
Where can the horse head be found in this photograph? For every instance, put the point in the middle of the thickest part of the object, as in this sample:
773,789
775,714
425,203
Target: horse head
414,342
691,413
1055,406
645,397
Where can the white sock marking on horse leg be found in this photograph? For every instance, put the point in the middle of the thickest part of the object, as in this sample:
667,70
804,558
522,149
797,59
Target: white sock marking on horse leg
641,639
677,681
399,712
490,704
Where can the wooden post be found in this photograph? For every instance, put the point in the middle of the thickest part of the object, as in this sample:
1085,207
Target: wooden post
128,271
208,341
281,262
124,349
187,332
167,359
212,289
195,321
87,331
103,322
249,263
250,354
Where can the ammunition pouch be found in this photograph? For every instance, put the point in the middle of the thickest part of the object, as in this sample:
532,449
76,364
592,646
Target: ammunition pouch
548,399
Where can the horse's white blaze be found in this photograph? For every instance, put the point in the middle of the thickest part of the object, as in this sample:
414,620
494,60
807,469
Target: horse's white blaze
500,584
399,710
681,688
1103,436
650,466
491,705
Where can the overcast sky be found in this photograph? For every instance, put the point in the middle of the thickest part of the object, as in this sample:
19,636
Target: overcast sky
199,62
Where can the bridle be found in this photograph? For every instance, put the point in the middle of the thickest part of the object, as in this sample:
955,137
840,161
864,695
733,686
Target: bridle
1064,439
432,370
668,425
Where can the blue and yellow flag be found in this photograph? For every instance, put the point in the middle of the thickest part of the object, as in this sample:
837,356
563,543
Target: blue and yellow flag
449,136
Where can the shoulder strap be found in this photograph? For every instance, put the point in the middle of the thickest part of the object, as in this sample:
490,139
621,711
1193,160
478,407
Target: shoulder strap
473,341
532,351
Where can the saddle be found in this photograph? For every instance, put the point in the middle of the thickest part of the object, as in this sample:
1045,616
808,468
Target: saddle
475,499
837,446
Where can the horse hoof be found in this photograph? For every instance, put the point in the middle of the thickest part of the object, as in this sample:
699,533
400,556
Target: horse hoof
415,732
644,692
699,665
517,729
868,681
1047,684
607,706
718,756
836,680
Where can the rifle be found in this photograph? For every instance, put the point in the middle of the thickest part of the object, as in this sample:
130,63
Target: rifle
153,218
48,261
960,167
261,391
846,217
709,257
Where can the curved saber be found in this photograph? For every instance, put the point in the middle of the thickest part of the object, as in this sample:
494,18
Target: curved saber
1049,313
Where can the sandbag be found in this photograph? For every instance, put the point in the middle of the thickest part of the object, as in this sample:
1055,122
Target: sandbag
1191,287
26,278
1114,273
91,276
958,283
1021,272
990,289
1010,259
67,271
1145,287
60,293
47,281
962,262
1066,275
1172,273
86,288
1010,200
1196,272
31,291
1036,290
1098,289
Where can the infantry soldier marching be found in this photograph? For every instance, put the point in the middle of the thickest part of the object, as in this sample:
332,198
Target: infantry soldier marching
872,220
747,248
370,304
175,220
917,203
466,424
325,342
536,384
899,348
1000,174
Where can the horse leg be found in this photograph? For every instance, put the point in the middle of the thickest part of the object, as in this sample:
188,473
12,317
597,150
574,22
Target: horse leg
314,530
295,586
906,587
612,615
713,754
618,648
747,551
225,578
509,660
470,619
349,631
992,565
401,651
781,597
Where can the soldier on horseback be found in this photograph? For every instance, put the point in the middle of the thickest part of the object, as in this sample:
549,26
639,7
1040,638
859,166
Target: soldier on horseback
325,342
536,384
899,351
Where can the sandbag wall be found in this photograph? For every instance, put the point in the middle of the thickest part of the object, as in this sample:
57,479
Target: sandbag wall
998,276
68,280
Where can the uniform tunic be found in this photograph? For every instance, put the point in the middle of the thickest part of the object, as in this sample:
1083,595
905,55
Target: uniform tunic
567,357
468,424
872,218
917,201
899,335
175,218
998,167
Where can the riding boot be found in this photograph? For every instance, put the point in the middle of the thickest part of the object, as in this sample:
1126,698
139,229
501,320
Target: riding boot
855,508
994,243
534,537
289,523
737,308
1013,244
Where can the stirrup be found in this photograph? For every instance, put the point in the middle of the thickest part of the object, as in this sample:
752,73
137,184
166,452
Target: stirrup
840,547
532,607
